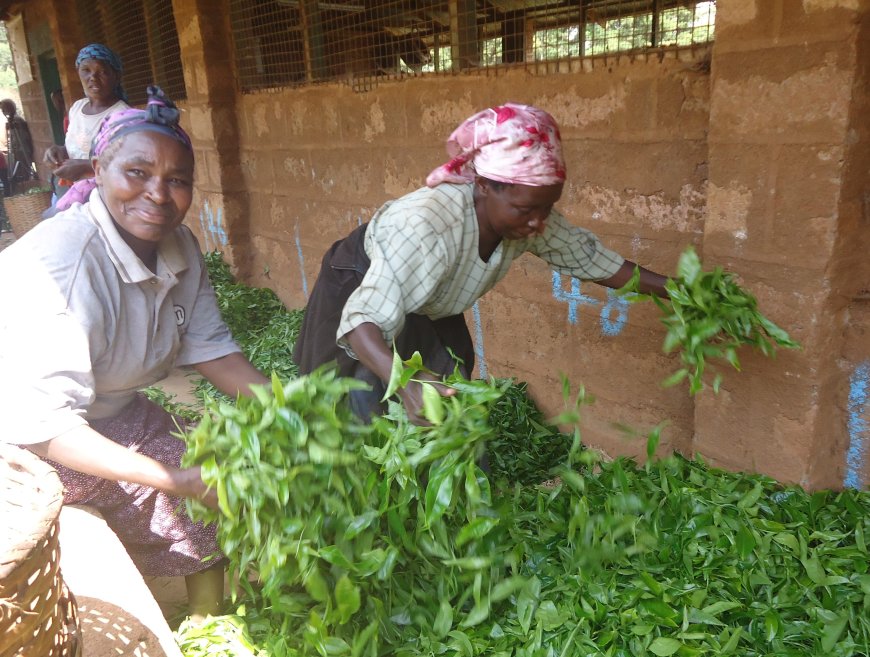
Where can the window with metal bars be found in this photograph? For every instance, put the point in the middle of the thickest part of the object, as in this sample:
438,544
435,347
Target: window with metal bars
282,43
144,35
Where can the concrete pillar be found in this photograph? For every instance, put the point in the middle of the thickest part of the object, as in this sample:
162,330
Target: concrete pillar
221,210
787,77
68,40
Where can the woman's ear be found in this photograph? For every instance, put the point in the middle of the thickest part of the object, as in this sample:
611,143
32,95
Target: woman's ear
95,163
481,184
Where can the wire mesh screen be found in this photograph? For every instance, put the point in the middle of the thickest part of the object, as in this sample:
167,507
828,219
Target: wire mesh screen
281,42
143,33
292,42
600,27
268,43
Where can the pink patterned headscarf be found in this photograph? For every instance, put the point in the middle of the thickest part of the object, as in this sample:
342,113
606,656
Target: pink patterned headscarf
517,144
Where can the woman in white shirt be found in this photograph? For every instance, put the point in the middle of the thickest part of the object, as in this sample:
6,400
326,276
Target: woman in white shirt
99,69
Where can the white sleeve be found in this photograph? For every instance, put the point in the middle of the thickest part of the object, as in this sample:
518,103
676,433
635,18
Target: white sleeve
46,379
207,336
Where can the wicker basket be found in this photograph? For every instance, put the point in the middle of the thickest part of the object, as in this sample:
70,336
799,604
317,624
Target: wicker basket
24,211
38,616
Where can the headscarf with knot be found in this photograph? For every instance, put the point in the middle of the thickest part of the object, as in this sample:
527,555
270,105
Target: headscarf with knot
160,115
104,54
515,144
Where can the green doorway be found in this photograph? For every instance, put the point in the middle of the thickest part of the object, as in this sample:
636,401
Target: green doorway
50,77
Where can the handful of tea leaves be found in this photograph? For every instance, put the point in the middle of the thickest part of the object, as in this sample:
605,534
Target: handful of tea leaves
708,315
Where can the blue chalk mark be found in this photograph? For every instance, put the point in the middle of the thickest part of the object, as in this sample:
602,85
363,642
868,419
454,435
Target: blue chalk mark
572,298
859,432
301,262
619,305
205,234
478,342
213,226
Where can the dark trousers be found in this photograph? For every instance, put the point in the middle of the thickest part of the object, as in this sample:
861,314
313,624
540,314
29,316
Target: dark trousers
342,270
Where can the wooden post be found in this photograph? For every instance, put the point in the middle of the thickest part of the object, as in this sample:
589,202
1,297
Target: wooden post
464,44
312,38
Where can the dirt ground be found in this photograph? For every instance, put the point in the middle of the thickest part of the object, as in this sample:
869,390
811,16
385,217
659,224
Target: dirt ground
6,239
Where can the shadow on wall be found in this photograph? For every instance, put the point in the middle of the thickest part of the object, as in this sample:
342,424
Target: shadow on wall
109,631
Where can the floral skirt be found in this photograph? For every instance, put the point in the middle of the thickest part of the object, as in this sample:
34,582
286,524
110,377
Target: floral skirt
154,527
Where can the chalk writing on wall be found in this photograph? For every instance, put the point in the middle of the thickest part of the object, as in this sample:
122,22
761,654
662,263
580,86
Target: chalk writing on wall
858,412
301,261
614,312
212,225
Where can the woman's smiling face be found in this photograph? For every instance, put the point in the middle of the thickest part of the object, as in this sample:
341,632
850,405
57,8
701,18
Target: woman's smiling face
146,184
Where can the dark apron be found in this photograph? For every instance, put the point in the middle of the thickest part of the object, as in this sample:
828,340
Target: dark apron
341,272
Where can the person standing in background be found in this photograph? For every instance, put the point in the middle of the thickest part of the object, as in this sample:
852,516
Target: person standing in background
99,69
19,147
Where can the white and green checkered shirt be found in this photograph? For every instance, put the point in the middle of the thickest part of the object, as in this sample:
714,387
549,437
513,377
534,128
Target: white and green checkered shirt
424,259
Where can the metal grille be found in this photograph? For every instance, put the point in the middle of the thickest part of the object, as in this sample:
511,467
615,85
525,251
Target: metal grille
293,42
143,33
602,27
289,42
268,43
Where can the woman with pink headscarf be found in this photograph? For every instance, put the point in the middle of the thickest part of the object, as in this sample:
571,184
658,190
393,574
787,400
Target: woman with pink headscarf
407,276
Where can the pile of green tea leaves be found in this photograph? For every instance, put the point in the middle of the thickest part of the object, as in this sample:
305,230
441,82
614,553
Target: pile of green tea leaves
258,321
709,316
524,446
389,539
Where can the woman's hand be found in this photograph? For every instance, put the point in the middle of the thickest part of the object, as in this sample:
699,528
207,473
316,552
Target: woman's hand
368,343
191,485
650,282
412,397
55,155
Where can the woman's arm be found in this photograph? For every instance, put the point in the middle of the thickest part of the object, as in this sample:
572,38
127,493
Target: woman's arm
650,282
85,450
74,170
368,344
232,374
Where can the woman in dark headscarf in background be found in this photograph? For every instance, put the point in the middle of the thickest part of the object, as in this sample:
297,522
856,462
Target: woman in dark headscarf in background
117,294
99,69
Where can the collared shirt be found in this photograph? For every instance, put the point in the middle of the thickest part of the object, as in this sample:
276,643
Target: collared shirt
424,259
84,324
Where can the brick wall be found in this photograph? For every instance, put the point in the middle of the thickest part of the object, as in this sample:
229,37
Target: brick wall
753,150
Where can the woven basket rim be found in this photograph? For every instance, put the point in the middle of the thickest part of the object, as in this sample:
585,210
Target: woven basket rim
31,191
24,211
31,496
